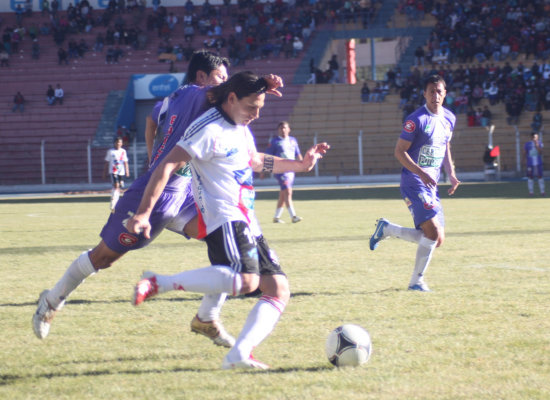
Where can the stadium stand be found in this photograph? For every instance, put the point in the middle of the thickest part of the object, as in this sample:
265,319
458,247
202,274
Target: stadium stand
323,112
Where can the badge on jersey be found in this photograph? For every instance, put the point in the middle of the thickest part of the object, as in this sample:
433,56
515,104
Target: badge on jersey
127,239
409,126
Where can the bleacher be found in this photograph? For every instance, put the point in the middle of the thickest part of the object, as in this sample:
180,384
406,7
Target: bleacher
322,112
87,82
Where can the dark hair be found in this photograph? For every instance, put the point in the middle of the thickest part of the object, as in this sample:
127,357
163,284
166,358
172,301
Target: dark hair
283,123
435,79
242,84
205,61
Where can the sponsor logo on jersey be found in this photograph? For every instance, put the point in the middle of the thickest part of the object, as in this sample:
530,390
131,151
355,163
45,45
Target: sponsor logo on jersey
127,239
409,126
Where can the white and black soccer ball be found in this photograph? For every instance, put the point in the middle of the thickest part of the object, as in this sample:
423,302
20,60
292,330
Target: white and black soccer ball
348,345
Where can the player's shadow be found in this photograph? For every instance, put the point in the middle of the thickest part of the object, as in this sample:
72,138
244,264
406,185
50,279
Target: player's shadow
198,298
13,379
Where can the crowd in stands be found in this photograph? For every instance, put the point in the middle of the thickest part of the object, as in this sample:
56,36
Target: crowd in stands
504,37
504,34
519,87
239,29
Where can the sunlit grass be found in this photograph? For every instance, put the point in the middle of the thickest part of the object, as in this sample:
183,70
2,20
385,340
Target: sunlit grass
484,333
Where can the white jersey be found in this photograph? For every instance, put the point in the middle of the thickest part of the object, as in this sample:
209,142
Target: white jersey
222,174
116,159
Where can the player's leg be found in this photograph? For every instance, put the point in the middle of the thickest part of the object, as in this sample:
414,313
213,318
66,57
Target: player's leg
386,229
541,180
281,200
53,300
288,197
116,241
115,191
264,315
530,183
233,255
207,321
428,215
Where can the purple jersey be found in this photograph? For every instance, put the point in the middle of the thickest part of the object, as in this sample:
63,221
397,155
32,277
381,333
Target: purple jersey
155,112
532,155
176,113
429,134
284,147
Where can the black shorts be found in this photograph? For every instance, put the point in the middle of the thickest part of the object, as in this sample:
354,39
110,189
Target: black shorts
117,179
232,244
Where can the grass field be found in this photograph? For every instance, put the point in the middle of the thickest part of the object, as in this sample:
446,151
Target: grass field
483,333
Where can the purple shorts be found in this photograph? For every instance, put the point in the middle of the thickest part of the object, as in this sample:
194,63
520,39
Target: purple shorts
534,171
172,210
423,204
285,180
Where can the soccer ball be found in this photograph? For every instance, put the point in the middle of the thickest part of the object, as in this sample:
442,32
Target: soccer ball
348,345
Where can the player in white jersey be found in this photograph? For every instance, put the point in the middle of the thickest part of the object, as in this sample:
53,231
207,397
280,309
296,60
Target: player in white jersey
422,148
116,165
221,152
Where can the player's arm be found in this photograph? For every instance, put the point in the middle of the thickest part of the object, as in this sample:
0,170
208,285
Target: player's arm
262,162
150,133
175,160
406,161
126,168
449,166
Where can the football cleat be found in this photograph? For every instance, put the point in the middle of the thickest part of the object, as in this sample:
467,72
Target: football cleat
378,234
420,287
147,287
278,220
42,318
249,363
213,330
296,219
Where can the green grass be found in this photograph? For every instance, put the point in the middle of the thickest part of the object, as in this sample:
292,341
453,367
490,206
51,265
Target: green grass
484,333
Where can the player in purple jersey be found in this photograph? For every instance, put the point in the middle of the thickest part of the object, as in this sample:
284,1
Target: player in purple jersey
285,146
423,147
533,158
174,211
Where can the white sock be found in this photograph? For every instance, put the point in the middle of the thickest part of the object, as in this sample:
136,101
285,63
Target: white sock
209,280
541,185
260,323
408,234
291,211
530,185
115,195
279,212
424,254
78,271
211,307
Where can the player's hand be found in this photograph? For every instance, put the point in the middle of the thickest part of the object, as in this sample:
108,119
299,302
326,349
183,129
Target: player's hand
454,184
273,83
138,224
313,154
427,180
